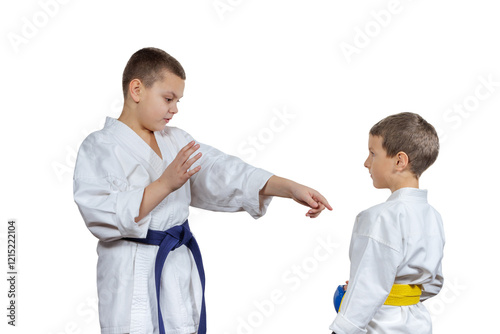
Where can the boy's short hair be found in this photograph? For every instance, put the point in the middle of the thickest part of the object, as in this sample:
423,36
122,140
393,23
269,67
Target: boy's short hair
148,65
410,133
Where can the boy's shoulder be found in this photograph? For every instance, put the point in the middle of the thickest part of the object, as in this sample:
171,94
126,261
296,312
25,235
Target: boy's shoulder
113,128
398,203
385,209
103,135
382,222
98,136
100,143
95,142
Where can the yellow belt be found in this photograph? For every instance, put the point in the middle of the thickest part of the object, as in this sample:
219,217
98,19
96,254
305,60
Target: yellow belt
404,295
401,295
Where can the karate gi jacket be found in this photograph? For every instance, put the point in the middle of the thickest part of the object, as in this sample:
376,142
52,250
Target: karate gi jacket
113,167
400,241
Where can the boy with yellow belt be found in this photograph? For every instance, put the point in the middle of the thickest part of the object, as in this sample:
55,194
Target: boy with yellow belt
397,246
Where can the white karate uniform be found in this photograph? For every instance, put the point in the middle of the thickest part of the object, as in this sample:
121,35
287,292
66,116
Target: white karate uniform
113,167
397,242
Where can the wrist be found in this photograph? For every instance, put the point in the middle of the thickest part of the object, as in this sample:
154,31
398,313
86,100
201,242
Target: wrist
162,187
289,187
278,186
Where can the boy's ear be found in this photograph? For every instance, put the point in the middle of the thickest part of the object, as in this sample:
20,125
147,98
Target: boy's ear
402,161
134,90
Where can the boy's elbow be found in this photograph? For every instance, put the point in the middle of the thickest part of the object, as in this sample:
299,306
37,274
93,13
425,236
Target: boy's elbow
103,233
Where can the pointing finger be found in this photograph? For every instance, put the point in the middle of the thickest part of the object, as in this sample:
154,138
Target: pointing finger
318,197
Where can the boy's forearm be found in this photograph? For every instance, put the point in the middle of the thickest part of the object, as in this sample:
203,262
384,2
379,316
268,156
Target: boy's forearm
278,186
153,195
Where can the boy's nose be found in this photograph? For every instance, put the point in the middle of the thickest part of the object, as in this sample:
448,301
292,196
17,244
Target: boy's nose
366,164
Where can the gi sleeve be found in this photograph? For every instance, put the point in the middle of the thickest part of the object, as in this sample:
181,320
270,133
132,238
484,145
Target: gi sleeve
106,200
375,252
431,289
227,183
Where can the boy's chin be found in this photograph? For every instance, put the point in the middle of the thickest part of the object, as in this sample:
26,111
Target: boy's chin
157,127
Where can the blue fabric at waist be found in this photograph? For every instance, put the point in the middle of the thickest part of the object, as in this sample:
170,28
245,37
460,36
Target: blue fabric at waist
168,241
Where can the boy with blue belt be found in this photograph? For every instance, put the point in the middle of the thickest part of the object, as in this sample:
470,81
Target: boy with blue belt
133,183
397,246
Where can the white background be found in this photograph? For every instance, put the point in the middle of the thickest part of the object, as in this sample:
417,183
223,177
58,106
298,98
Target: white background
245,62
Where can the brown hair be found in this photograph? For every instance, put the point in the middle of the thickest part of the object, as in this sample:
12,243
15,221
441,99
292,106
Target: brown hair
410,133
148,65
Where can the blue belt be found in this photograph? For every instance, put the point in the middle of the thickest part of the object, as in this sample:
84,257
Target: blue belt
169,240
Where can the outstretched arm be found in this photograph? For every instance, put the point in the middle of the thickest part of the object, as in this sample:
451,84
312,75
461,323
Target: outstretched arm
281,187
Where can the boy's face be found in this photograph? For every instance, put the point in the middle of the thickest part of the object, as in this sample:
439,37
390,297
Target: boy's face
158,103
381,166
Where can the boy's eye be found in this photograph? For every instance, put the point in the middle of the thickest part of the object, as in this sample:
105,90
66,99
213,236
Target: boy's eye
168,99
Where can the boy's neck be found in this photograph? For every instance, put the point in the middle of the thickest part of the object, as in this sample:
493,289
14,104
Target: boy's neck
129,118
407,182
